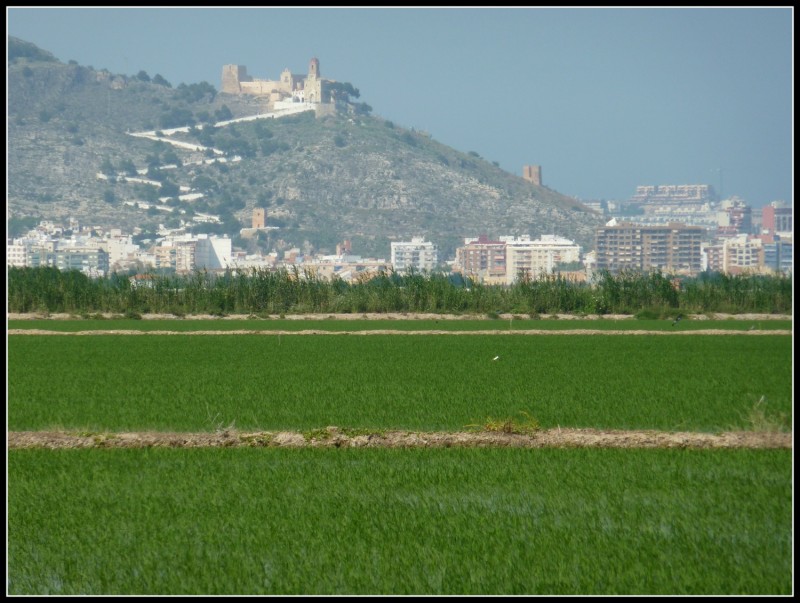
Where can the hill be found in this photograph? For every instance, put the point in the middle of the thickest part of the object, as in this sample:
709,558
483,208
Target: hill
322,179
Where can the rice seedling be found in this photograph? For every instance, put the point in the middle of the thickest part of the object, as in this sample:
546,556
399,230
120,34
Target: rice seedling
415,382
322,521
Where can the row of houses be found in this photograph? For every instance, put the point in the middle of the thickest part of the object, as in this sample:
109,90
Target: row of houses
96,253
672,248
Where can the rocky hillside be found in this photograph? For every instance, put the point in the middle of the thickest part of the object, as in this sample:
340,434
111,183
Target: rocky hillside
322,180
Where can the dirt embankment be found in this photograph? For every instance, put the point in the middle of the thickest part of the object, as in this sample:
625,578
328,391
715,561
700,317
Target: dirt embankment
403,316
755,318
334,437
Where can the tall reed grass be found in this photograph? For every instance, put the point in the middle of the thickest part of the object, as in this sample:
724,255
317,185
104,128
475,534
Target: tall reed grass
261,291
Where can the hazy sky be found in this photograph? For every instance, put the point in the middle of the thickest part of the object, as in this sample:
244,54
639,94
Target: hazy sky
603,99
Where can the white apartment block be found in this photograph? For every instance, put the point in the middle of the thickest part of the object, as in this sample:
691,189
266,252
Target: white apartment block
213,253
16,255
80,242
675,193
534,258
418,254
187,253
122,251
742,254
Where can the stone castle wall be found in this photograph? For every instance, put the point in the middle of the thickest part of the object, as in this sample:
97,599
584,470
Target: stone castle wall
308,88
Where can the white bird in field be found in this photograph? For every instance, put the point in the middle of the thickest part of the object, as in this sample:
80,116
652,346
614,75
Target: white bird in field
496,358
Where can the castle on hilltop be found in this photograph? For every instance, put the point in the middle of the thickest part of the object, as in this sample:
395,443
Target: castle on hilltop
292,87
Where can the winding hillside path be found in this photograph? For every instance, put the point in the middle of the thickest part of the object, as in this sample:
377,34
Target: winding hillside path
165,136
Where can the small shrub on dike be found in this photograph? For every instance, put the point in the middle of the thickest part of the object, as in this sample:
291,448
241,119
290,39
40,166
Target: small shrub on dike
133,315
647,314
528,425
177,313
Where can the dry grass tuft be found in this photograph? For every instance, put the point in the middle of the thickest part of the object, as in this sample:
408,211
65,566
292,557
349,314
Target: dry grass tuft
526,426
757,418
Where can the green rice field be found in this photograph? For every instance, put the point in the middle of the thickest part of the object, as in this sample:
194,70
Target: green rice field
417,382
356,521
414,521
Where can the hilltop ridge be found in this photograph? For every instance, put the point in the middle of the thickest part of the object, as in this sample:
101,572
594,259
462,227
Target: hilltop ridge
322,179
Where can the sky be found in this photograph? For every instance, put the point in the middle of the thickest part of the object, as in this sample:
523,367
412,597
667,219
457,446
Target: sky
603,99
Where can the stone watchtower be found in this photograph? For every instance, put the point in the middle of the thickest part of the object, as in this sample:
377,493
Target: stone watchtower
259,217
232,76
532,173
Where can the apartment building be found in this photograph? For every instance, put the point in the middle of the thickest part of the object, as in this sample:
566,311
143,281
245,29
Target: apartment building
671,248
483,259
89,260
187,253
742,254
507,259
675,193
712,258
777,218
418,254
532,259
122,251
213,253
777,253
64,255
347,268
16,255
734,218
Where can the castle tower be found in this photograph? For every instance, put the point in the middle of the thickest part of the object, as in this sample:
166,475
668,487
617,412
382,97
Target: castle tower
259,217
232,76
313,68
532,173
343,248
